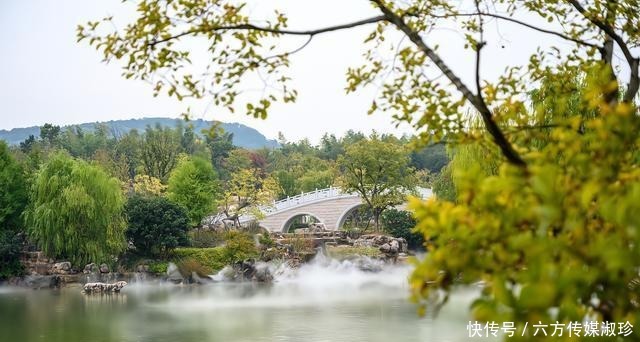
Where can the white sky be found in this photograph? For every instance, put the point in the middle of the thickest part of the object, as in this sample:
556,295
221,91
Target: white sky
47,77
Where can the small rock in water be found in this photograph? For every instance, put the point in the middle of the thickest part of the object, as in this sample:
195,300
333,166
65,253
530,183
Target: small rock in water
104,268
102,287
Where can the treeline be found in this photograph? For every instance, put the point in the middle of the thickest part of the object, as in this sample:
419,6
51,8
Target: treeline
86,195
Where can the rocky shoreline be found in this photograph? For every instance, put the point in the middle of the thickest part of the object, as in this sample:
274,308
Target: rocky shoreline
43,272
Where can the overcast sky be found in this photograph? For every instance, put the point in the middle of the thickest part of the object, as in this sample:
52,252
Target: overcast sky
48,77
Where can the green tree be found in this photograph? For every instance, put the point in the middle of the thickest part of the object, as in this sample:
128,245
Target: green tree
432,158
155,225
220,144
193,184
245,192
50,134
400,223
128,149
76,211
159,151
13,200
379,172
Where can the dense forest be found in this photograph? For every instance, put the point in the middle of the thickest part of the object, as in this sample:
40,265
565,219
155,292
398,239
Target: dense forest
84,194
243,136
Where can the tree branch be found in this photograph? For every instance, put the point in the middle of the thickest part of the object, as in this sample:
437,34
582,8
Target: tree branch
522,23
492,127
272,30
634,78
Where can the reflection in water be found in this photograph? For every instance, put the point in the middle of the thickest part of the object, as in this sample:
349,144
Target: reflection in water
323,301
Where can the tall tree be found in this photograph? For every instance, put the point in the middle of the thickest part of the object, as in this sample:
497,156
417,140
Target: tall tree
193,184
76,211
159,151
50,134
220,144
128,149
245,192
379,172
13,200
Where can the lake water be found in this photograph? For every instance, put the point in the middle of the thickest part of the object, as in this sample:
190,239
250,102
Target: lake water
328,301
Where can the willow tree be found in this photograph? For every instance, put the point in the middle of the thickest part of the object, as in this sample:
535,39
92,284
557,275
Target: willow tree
555,228
76,211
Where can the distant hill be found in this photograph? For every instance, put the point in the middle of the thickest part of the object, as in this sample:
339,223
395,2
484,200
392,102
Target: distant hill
243,136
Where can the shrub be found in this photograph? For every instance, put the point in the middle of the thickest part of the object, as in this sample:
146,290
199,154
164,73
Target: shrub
302,245
206,238
158,267
156,226
266,240
345,252
400,223
189,266
212,258
239,246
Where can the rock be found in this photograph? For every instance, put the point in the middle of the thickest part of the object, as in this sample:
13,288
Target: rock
394,247
317,228
41,281
386,248
200,280
103,287
249,270
61,268
173,274
263,274
142,268
90,268
104,268
386,244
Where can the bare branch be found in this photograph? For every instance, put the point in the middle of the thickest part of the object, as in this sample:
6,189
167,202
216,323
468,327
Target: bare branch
271,30
522,23
634,78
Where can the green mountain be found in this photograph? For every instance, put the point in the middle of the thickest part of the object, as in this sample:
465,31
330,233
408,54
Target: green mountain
243,136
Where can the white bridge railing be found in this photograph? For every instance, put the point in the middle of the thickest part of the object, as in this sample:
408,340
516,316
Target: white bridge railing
304,198
301,199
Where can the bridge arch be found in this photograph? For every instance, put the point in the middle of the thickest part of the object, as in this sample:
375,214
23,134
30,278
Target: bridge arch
286,226
345,214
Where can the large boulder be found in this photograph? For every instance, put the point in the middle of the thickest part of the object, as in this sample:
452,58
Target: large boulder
388,245
104,268
249,270
173,274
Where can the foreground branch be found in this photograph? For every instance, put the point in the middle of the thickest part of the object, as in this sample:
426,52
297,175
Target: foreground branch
634,78
310,33
492,127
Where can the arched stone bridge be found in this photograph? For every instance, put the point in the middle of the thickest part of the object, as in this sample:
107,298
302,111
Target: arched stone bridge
329,206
